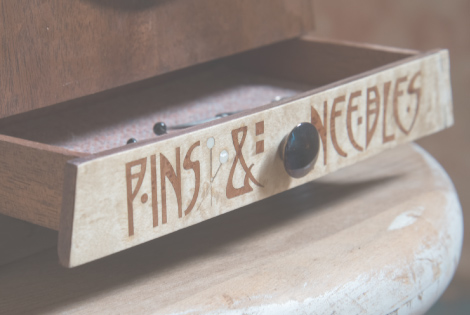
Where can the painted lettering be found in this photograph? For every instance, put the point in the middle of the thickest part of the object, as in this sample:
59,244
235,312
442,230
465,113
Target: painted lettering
352,108
411,90
167,171
132,193
321,127
190,165
375,100
335,114
153,172
390,137
398,92
232,192
369,102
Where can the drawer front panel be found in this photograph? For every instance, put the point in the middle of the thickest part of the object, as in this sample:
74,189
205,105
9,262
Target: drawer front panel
120,199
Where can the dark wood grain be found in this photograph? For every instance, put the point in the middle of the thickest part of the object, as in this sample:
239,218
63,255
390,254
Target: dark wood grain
53,51
319,61
31,180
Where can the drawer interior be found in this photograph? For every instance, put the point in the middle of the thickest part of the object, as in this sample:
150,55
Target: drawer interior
95,127
106,121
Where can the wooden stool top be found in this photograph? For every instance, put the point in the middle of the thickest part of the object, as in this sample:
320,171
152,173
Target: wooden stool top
383,235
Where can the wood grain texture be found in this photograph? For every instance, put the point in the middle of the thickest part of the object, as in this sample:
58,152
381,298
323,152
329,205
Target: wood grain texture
245,81
53,51
31,180
381,236
408,99
319,61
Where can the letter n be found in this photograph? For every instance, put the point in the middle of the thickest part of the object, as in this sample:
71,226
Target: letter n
167,171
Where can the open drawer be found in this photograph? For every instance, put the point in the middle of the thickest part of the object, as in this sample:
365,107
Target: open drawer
68,167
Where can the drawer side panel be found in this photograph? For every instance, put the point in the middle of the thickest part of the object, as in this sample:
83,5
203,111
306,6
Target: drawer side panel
31,180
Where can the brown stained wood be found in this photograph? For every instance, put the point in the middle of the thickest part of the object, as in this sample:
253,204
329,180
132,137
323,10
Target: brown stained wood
379,236
319,61
66,219
31,180
415,93
53,51
100,122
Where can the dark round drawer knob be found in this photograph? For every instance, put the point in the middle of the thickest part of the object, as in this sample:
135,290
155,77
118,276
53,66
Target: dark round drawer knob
299,150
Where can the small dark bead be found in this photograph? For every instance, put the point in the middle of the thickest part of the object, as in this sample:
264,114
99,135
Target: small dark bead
131,140
159,128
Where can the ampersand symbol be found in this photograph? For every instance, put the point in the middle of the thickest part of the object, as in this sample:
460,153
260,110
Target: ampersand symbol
231,191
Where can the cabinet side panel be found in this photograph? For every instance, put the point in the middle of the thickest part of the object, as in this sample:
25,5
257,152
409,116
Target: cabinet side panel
54,51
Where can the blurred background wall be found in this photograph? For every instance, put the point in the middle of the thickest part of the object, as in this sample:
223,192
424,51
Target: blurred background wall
422,25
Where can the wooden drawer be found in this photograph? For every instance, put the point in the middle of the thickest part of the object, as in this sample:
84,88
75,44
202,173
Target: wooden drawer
68,167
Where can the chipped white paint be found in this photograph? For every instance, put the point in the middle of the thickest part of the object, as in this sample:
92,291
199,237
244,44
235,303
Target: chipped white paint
401,271
406,219
431,269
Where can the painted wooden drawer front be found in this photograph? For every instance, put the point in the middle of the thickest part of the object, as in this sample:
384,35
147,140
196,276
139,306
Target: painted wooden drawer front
121,198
